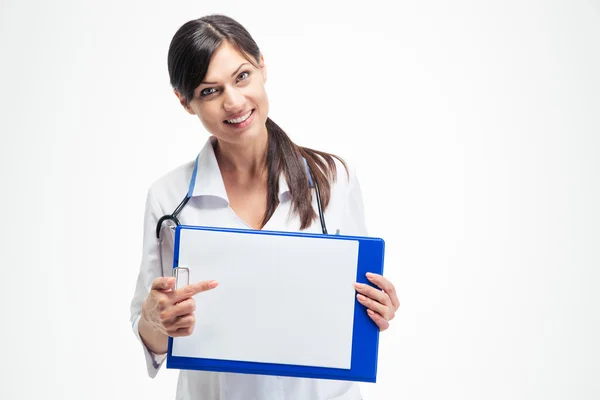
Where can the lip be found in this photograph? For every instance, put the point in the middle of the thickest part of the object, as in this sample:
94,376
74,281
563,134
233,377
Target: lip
238,115
244,124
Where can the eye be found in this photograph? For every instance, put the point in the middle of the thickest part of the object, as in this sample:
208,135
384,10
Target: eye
244,75
207,92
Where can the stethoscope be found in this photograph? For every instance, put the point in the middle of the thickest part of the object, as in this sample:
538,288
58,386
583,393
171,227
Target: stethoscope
171,221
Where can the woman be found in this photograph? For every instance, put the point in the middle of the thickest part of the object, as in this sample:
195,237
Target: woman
249,175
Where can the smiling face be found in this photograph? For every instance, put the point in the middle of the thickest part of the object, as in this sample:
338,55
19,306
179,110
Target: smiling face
231,101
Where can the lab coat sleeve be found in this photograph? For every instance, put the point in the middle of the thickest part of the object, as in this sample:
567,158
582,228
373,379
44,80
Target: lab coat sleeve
149,271
353,222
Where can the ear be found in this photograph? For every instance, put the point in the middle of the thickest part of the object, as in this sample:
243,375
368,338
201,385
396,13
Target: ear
183,102
263,68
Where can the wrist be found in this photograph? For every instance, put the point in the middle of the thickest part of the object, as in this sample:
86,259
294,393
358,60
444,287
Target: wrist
155,340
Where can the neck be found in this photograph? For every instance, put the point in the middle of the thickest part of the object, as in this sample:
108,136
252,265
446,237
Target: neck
247,160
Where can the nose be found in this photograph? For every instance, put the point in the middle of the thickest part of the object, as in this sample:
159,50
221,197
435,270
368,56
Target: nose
234,100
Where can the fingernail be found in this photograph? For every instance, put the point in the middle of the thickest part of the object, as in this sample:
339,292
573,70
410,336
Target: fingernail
357,285
370,275
370,312
360,297
213,284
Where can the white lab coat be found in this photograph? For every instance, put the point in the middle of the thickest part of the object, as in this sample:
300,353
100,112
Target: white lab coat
209,206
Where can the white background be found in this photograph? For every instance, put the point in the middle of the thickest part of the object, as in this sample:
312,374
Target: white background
474,126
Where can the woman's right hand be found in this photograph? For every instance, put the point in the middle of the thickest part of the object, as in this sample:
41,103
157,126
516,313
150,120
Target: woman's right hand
171,311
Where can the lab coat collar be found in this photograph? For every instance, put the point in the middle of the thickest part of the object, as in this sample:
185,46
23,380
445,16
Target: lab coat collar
209,181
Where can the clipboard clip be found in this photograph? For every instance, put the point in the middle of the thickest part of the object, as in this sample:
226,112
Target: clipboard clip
182,276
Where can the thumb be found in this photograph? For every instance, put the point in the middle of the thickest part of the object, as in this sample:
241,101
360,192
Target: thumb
163,283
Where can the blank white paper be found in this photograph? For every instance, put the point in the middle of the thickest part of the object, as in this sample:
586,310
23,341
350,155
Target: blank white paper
280,299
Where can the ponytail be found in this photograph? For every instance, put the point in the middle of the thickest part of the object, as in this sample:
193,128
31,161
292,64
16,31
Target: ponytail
283,156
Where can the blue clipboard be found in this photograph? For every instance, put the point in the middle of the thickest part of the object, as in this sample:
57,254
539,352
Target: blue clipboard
365,334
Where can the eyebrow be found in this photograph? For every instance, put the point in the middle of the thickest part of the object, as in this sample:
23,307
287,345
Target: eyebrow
232,75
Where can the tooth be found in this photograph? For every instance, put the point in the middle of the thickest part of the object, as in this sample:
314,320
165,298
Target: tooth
241,119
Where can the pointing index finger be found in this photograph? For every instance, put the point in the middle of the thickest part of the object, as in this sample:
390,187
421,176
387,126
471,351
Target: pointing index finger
193,289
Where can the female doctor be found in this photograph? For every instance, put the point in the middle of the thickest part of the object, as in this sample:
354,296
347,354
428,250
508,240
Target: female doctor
249,174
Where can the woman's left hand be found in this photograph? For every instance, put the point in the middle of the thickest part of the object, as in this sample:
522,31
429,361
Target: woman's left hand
381,304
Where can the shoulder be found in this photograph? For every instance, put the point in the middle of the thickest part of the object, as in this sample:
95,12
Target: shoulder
345,172
169,189
346,210
344,182
339,171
